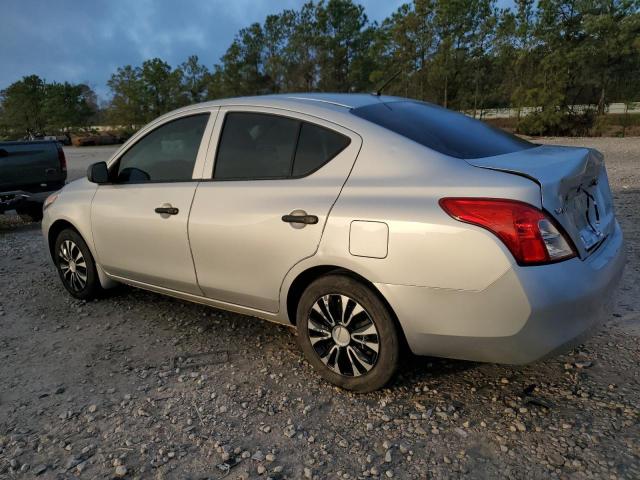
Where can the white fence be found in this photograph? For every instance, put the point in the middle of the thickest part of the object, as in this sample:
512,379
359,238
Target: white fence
513,112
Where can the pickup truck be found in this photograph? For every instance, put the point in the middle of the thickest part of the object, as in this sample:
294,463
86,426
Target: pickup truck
29,172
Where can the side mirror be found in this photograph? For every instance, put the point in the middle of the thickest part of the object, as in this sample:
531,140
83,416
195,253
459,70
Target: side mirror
98,173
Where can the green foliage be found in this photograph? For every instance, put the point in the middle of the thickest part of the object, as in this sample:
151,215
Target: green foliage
584,52
31,107
66,106
22,104
141,94
470,55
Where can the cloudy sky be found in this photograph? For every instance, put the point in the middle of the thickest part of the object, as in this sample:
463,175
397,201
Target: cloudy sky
86,40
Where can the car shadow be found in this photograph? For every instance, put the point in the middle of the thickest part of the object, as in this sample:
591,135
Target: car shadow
414,368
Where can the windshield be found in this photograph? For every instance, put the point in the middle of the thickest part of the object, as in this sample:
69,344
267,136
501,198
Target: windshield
442,130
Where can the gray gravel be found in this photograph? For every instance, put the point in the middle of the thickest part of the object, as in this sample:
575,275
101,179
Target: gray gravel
142,386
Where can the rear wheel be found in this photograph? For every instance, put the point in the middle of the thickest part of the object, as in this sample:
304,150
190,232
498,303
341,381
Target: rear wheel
347,333
75,265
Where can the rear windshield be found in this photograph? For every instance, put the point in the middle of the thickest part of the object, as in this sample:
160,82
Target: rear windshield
442,130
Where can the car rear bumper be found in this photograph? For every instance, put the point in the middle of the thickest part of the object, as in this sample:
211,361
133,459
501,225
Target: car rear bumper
527,314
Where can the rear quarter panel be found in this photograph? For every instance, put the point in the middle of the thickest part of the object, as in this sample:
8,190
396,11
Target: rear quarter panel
399,182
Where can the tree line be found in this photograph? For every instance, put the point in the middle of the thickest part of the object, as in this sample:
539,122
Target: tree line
31,107
466,55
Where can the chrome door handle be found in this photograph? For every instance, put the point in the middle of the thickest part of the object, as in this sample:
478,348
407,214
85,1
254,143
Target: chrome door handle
167,210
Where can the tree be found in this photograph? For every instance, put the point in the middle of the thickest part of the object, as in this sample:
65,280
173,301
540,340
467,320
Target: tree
300,52
143,93
22,106
195,78
127,104
543,57
67,106
31,107
612,34
343,34
407,40
161,85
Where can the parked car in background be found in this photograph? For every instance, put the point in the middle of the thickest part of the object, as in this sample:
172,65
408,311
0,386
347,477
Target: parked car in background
29,172
369,223
63,139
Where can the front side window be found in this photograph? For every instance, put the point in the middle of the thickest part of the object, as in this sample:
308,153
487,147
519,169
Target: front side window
166,154
260,146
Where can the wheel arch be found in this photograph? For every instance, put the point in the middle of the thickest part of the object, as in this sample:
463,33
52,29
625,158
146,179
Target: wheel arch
306,277
55,229
63,224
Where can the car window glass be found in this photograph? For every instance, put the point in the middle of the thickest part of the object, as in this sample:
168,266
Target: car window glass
316,146
166,154
442,130
256,146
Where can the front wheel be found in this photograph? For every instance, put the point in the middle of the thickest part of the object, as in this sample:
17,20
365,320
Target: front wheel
75,265
347,333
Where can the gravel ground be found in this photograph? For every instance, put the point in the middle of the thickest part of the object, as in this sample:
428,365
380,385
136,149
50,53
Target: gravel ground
142,386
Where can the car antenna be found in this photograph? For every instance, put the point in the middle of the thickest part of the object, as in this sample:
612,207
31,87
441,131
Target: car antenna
379,90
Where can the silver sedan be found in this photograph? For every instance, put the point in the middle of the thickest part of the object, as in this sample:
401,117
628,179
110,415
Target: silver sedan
372,224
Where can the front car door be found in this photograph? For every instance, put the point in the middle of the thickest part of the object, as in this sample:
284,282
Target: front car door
268,164
139,221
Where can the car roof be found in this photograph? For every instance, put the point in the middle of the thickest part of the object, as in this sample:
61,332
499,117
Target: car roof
302,102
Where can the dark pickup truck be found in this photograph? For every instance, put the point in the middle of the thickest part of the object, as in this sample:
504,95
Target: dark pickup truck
29,172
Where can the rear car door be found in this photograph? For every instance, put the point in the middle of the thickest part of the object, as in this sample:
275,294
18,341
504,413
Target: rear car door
139,221
269,165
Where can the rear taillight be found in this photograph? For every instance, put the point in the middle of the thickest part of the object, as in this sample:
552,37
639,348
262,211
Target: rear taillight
530,235
62,160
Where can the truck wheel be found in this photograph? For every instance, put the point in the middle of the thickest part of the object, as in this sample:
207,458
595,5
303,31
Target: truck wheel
76,266
31,212
347,333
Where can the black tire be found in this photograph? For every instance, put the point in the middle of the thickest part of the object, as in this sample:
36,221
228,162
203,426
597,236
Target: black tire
83,290
388,342
31,212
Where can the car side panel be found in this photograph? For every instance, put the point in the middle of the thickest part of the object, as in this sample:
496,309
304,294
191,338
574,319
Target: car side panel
426,247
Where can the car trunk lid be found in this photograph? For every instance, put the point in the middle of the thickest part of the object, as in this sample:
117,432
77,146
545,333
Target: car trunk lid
574,187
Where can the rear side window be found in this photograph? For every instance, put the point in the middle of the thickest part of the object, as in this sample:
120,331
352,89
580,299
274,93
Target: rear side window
316,147
256,146
442,130
260,146
166,154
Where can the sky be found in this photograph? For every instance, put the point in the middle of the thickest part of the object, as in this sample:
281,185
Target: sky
87,40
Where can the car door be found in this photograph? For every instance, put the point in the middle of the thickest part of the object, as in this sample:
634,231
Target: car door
269,165
139,220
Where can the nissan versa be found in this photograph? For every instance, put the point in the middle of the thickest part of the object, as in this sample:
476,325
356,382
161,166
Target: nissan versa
368,222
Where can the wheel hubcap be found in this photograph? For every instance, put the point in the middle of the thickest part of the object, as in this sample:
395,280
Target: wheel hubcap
343,335
72,265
